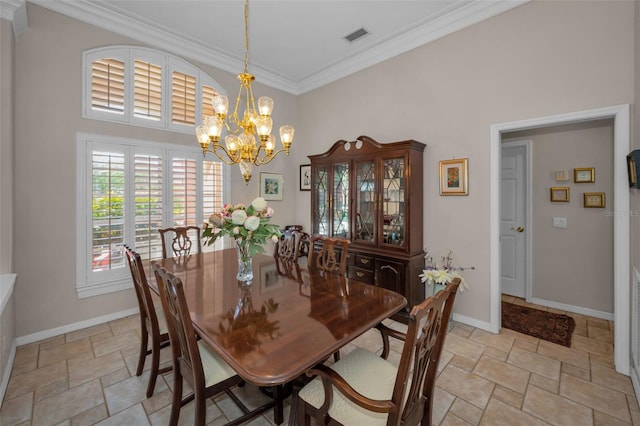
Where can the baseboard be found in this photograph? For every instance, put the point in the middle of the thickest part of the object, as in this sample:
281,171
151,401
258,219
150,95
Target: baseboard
46,334
7,371
472,322
635,380
575,309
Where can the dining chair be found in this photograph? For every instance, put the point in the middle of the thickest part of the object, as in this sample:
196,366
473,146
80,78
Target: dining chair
206,372
365,388
181,244
152,321
328,254
287,251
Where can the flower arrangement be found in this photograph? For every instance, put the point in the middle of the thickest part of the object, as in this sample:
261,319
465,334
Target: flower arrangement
443,272
248,225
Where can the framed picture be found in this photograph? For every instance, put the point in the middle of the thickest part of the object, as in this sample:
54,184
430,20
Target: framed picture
560,194
633,168
594,199
454,177
562,175
271,186
305,177
584,175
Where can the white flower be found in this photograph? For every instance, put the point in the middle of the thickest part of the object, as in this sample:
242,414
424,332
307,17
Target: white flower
238,217
268,213
236,230
259,204
274,238
252,223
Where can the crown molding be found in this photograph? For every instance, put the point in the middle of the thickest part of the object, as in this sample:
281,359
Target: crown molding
449,23
95,13
16,12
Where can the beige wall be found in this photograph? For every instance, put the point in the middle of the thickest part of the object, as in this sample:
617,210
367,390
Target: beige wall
6,146
539,59
573,265
635,144
48,67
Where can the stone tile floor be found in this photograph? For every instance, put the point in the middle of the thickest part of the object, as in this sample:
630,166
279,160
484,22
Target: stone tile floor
88,377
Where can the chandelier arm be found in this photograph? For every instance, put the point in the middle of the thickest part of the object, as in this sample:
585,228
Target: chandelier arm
230,160
267,158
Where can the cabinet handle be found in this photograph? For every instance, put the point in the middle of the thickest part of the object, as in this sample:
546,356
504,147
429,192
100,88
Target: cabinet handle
389,267
360,274
364,261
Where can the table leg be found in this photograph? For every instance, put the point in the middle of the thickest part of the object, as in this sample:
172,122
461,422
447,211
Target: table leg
278,410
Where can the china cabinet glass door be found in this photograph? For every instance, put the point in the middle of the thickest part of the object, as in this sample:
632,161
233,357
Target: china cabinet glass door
321,200
366,202
393,201
339,203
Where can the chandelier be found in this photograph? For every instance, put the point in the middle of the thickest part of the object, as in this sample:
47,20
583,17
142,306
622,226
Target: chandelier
240,145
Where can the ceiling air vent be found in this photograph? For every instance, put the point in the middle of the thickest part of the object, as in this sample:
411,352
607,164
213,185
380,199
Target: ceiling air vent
356,35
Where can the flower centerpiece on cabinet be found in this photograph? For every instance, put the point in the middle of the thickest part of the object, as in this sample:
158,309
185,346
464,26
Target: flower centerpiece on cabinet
440,274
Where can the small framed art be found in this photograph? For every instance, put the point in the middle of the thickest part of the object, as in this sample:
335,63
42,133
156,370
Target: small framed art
454,179
633,168
271,186
305,177
584,175
594,199
559,194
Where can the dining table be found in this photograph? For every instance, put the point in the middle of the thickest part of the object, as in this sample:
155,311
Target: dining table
282,324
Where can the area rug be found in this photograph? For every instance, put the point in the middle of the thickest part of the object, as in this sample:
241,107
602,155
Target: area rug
555,328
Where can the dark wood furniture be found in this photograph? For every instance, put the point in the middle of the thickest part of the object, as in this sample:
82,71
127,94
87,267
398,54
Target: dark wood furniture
152,322
328,254
181,243
371,194
205,372
275,332
392,395
287,250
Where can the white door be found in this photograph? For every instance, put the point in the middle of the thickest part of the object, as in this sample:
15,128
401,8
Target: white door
513,232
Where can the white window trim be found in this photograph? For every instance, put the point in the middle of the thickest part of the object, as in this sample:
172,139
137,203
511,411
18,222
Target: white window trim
168,63
117,280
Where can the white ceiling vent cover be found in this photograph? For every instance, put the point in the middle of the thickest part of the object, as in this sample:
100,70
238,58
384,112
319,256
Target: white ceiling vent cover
356,35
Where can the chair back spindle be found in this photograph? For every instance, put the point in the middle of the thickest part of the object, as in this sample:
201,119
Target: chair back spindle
181,243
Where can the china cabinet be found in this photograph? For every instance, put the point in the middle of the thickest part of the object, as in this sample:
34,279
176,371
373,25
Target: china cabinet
371,193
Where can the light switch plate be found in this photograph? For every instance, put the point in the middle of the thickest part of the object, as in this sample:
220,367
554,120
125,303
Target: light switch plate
559,222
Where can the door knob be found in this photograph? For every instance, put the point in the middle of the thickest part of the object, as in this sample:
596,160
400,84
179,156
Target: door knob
519,229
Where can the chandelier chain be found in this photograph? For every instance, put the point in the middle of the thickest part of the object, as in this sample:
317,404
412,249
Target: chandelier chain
246,35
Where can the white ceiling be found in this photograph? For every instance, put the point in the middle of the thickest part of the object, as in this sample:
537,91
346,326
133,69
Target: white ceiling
294,45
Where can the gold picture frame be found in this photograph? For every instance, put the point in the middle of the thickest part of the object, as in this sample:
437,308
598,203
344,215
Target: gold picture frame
584,175
594,199
454,177
559,194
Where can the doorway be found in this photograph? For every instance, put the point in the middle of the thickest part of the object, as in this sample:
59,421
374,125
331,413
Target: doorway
620,115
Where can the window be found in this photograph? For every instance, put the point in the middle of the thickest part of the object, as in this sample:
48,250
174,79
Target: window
125,187
146,87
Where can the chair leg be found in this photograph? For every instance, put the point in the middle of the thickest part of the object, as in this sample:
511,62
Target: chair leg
176,404
144,341
155,363
201,409
303,416
336,356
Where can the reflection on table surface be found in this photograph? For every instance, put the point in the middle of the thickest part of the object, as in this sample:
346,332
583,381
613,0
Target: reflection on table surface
283,324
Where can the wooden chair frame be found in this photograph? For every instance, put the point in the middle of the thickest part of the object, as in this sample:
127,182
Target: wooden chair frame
187,363
323,255
181,243
149,322
421,352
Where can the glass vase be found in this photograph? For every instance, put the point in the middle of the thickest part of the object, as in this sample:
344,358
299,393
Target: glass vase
245,264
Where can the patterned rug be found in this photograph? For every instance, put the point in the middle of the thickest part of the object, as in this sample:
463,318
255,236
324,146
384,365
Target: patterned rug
555,328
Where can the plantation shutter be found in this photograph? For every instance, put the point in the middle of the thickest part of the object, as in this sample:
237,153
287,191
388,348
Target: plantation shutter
107,206
183,98
183,184
147,100
107,85
148,199
208,93
212,194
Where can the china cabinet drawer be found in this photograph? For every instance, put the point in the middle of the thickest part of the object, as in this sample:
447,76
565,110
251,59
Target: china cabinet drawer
365,262
359,274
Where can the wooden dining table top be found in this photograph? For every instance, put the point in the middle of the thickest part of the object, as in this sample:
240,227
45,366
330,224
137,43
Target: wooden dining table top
280,326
